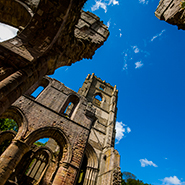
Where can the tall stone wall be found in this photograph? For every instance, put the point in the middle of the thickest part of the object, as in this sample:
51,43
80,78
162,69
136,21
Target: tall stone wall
52,34
44,117
81,129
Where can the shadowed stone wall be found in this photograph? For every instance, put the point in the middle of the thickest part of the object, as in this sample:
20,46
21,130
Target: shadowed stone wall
171,12
52,34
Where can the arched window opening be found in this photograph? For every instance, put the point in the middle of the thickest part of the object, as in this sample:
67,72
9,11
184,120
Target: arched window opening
37,166
68,111
97,99
7,32
102,87
38,91
37,88
40,161
70,106
82,171
7,124
89,169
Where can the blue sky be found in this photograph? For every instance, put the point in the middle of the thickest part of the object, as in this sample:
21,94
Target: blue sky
144,57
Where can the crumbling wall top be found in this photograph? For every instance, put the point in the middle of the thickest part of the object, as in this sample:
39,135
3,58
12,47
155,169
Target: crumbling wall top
172,12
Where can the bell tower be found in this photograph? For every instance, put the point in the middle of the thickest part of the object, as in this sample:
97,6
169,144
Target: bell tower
103,98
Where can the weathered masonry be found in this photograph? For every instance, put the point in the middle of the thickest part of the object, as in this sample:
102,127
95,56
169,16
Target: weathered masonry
172,12
81,131
52,33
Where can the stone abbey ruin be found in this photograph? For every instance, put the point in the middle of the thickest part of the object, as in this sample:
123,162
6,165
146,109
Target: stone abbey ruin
80,125
81,128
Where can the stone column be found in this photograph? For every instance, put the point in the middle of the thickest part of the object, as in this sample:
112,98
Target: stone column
7,135
66,175
19,82
10,158
5,70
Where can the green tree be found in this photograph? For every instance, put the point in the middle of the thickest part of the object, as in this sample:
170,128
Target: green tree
130,179
182,4
127,175
8,124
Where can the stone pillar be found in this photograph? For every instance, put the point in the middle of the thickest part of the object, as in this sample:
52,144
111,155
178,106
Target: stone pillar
10,158
7,135
19,82
5,70
66,175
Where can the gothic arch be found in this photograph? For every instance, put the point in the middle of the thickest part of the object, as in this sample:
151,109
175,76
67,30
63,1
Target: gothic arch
18,116
39,163
92,166
92,159
7,135
17,14
55,133
44,82
48,15
74,100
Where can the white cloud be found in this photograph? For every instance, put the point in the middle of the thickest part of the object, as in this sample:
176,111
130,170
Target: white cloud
114,2
7,32
104,4
128,130
120,34
135,48
125,67
171,180
138,64
143,1
145,162
108,23
158,35
121,130
98,5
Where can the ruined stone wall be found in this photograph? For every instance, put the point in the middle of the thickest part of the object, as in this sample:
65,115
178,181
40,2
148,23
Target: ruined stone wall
53,35
171,12
80,128
44,117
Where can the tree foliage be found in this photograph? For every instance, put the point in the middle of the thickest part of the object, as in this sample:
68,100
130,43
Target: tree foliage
182,4
130,179
8,124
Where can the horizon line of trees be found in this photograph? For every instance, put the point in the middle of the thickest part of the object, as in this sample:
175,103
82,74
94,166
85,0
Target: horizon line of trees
128,178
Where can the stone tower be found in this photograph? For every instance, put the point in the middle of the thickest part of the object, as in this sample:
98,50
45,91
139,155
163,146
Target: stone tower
81,128
103,96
